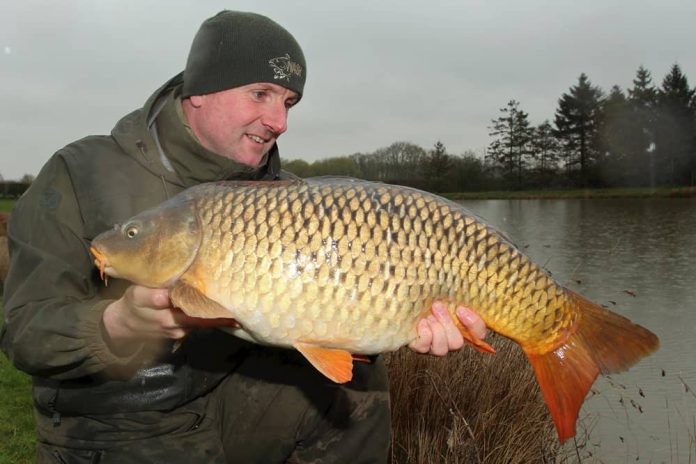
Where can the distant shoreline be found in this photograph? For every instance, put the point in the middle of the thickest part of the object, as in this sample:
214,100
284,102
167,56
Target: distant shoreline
633,192
6,205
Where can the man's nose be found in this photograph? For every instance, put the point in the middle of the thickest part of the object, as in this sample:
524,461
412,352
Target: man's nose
275,118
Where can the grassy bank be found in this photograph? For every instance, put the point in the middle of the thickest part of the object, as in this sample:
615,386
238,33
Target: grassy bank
636,192
16,419
469,408
645,192
6,205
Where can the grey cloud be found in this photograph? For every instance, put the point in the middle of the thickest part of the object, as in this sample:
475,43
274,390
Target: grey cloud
377,71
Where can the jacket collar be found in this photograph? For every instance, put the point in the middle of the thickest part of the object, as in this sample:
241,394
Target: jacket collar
185,162
192,162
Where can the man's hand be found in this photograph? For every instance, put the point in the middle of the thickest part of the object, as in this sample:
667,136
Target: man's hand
437,334
143,313
147,313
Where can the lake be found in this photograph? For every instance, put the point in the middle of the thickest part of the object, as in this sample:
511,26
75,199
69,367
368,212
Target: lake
637,257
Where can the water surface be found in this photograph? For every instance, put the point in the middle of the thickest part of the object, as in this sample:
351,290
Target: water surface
638,258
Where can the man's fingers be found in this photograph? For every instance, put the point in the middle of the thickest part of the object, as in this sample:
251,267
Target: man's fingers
425,338
159,298
439,346
156,298
452,334
473,322
176,333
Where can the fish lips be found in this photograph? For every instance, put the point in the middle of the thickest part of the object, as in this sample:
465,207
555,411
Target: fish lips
102,263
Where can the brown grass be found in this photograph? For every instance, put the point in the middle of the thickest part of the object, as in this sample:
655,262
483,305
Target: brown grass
4,218
469,408
4,260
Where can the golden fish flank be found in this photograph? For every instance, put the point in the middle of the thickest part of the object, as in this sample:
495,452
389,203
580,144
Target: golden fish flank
339,266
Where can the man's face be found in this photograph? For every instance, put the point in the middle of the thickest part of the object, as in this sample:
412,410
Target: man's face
241,123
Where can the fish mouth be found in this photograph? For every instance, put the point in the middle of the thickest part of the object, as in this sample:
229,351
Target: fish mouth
100,261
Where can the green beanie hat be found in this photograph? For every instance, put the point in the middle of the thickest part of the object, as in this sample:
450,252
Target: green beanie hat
234,48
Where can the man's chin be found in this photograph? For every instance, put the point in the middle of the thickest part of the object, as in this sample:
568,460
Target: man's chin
252,160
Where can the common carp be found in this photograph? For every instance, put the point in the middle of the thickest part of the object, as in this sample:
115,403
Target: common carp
338,267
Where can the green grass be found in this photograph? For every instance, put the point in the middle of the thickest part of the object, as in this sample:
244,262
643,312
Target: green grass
17,437
7,205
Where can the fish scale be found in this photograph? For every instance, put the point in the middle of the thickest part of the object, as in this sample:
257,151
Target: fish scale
417,228
338,266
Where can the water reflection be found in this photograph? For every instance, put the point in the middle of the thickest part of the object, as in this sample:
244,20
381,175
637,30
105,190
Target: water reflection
638,258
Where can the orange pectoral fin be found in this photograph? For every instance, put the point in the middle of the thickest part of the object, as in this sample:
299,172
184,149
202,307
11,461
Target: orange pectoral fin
335,364
195,304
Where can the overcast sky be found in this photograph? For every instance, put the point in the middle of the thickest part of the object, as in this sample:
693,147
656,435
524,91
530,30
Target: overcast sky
378,71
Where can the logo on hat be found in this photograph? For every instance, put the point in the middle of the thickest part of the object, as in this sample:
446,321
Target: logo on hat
284,67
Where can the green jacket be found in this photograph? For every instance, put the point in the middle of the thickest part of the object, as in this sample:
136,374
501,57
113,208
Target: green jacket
53,297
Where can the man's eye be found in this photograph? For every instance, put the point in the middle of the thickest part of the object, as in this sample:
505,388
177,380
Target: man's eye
259,94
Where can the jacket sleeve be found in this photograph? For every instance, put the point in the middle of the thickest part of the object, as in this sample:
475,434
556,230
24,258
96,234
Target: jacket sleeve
52,308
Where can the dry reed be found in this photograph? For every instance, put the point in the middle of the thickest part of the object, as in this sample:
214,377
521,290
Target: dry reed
469,408
4,260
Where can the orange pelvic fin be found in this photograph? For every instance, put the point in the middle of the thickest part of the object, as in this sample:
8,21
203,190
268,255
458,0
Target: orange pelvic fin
477,343
601,342
362,358
335,364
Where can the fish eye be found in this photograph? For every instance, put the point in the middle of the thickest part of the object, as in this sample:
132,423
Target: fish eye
131,231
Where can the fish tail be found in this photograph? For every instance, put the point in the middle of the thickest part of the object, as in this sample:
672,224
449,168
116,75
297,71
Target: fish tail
600,342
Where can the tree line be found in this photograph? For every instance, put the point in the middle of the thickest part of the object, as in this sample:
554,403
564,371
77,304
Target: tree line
12,189
403,163
644,136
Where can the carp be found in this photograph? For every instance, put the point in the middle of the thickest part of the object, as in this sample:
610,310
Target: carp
339,268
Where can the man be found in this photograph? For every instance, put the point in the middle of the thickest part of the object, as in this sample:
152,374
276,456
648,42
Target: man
107,385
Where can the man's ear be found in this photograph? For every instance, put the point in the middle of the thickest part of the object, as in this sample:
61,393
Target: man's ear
196,100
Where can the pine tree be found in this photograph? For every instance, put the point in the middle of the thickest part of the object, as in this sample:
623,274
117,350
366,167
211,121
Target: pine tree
642,99
675,137
546,151
510,150
577,125
438,166
616,142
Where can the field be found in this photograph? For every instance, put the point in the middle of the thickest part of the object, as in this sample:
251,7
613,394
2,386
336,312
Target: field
6,205
16,419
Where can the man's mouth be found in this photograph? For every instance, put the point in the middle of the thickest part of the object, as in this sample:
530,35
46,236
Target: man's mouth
257,139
